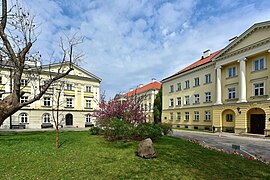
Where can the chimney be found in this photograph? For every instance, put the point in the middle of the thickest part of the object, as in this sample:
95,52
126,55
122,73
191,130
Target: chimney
140,85
206,53
232,39
153,80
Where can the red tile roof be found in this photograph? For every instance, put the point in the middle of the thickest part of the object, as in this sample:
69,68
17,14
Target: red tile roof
196,64
152,85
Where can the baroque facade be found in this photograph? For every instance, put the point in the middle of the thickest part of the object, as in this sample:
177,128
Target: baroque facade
225,91
79,96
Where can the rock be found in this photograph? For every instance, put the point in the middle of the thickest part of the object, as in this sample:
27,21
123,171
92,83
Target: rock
146,149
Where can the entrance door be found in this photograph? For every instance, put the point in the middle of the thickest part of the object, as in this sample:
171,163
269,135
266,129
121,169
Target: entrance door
69,120
257,123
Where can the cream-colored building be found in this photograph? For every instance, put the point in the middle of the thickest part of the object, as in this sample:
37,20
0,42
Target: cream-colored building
79,96
147,93
238,87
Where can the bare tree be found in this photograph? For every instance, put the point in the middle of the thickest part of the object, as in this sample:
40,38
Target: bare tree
18,33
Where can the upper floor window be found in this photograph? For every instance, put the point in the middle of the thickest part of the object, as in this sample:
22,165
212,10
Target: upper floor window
187,100
178,101
179,87
187,84
69,86
1,80
232,71
208,97
231,93
258,89
186,116
24,99
207,78
145,107
23,118
229,117
196,81
171,102
259,64
47,101
178,116
171,116
88,118
88,88
171,88
46,118
196,98
207,115
196,115
24,82
88,103
150,106
69,102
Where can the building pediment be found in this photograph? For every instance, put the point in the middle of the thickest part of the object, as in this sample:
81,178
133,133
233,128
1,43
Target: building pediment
256,35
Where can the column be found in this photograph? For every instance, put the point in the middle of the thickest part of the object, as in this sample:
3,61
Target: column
219,97
242,81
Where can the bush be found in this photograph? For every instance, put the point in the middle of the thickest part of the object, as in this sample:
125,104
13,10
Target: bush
118,129
96,131
166,128
143,131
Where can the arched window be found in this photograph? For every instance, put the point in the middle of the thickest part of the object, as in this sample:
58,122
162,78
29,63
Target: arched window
88,118
46,118
23,118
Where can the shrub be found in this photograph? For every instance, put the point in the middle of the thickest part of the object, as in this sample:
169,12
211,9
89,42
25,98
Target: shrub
143,131
166,128
96,131
118,129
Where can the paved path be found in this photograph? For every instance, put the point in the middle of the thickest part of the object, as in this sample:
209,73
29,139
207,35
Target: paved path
259,145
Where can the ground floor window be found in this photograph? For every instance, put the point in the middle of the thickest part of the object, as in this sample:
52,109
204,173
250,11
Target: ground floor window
23,118
259,89
88,118
178,116
229,117
196,115
46,118
171,116
207,115
186,116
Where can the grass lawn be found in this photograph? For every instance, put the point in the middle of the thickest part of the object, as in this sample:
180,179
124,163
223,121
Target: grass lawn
83,156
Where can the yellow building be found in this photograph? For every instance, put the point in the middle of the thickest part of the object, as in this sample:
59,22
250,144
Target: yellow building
79,96
147,93
228,90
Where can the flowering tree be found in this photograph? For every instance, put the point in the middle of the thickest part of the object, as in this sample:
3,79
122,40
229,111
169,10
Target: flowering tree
125,108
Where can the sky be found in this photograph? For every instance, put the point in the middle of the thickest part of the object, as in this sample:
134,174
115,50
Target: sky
129,42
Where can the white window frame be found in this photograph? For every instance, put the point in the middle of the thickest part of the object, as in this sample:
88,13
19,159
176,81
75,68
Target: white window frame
171,103
232,72
207,78
196,115
254,89
24,82
259,64
196,98
179,87
179,116
187,84
23,118
231,93
88,118
46,118
69,87
171,88
24,99
197,81
149,106
88,103
187,100
207,116
178,101
88,89
47,101
208,97
69,102
186,116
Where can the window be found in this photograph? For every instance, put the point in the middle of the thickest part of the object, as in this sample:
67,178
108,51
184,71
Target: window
142,107
24,99
1,96
179,87
229,117
145,107
47,101
1,80
24,82
88,118
179,101
196,98
259,64
186,116
171,102
207,115
207,78
187,84
259,89
69,102
23,118
178,116
69,86
196,116
186,99
171,116
196,81
150,106
46,118
171,88
231,93
208,97
232,71
88,103
88,88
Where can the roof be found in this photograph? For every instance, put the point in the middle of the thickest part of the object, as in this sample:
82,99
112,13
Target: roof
152,85
195,64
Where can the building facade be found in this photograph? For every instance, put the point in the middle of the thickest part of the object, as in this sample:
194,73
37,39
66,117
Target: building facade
78,97
147,93
228,90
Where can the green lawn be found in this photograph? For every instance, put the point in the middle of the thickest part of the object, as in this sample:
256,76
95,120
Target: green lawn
83,156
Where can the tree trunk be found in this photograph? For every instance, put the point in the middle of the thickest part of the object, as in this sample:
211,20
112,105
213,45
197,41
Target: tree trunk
56,138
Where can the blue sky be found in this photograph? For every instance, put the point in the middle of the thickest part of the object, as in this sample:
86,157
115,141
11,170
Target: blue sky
129,42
